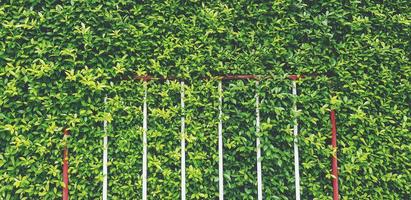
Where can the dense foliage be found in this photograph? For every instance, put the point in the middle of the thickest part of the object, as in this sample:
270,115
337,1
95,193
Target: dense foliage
59,59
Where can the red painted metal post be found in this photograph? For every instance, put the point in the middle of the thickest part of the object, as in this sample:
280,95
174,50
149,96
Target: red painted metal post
334,164
65,169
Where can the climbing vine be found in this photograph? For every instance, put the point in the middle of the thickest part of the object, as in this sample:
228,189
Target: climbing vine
60,59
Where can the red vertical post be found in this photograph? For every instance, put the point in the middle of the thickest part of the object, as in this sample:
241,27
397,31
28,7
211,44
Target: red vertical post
334,164
65,168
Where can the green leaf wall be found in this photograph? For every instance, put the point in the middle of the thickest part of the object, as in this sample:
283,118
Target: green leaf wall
59,59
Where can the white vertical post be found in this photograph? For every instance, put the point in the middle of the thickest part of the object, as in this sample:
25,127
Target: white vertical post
220,142
145,142
105,156
257,128
183,146
296,157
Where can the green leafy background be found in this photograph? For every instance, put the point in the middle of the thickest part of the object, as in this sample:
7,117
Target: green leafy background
59,59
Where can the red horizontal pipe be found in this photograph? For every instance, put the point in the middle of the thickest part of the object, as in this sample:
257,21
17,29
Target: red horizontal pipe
238,77
295,77
334,164
149,78
226,77
65,168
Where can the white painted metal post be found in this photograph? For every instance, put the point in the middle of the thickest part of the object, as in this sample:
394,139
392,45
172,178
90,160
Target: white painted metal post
183,146
220,142
259,173
145,142
105,156
296,157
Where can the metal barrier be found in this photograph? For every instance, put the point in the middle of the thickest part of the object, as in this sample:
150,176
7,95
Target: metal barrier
145,80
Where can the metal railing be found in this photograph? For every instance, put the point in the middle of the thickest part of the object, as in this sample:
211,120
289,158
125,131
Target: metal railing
260,194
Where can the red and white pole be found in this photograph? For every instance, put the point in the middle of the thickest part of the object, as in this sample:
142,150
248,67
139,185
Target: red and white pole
65,168
334,164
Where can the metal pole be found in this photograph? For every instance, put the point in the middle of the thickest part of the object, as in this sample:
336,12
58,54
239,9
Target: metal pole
259,173
296,157
334,164
145,142
65,167
183,145
105,156
220,142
